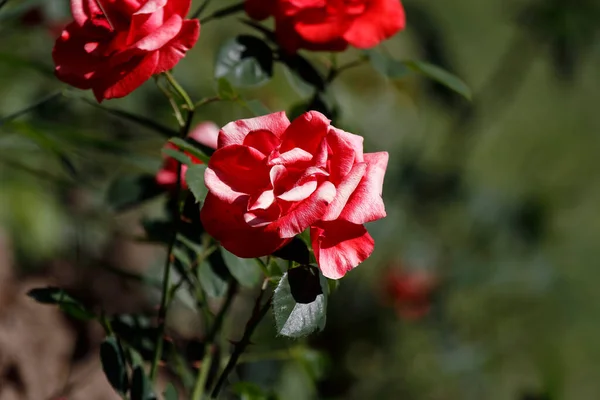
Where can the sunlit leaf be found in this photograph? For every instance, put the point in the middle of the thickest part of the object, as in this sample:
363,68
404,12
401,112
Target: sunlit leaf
245,270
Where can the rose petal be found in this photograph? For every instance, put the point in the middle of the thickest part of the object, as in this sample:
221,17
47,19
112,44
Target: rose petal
235,132
177,48
306,132
206,133
236,170
124,80
304,214
225,222
365,204
344,191
161,35
381,20
300,192
342,156
340,246
262,140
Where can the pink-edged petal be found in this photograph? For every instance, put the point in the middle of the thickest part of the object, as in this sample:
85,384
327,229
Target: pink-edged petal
225,222
304,214
344,191
161,35
179,7
235,170
262,202
342,156
290,157
124,80
206,133
316,25
305,132
300,192
235,132
355,141
370,28
365,204
262,140
177,48
151,6
262,217
340,246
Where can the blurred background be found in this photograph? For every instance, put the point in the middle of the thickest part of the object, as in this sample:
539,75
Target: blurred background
483,281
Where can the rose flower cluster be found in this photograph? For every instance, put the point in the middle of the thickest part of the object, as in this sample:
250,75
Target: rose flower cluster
269,179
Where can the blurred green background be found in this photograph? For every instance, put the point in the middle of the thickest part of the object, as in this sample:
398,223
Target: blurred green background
497,199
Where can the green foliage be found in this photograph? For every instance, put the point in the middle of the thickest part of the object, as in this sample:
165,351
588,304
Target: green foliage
114,364
131,190
141,387
245,61
245,270
300,302
66,303
194,177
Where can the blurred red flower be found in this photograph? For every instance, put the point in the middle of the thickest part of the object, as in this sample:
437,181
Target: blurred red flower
270,180
205,133
410,292
330,25
114,46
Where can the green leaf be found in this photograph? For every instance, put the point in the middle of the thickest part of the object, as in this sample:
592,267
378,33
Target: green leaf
249,391
304,70
245,270
194,178
195,149
387,66
129,191
170,392
440,75
257,107
225,90
245,61
67,304
141,387
213,275
114,364
177,155
300,302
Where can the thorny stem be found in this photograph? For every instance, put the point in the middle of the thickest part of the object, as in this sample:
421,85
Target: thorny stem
258,314
165,297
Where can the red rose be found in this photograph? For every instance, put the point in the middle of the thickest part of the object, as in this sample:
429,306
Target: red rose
270,180
330,25
205,133
114,46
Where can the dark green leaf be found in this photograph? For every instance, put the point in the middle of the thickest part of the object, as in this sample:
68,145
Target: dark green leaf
114,364
177,155
130,191
296,250
170,392
387,66
300,302
158,230
438,74
38,104
213,275
192,148
195,181
141,387
67,304
245,270
304,69
225,90
245,61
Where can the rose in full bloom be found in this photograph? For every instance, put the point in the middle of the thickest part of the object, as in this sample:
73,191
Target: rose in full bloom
270,180
206,134
330,25
113,46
